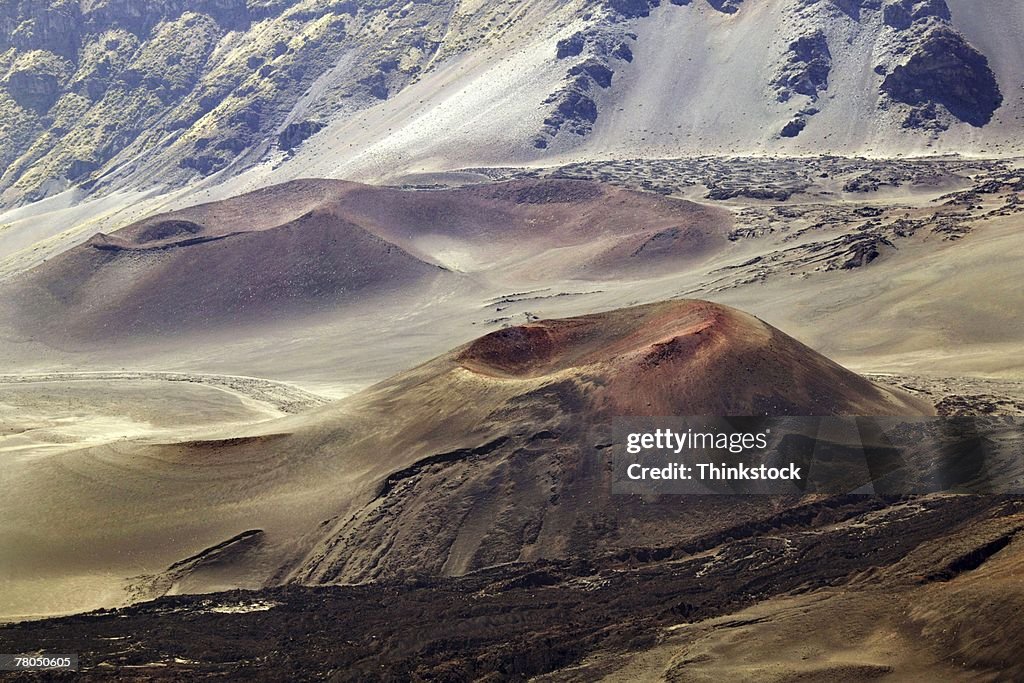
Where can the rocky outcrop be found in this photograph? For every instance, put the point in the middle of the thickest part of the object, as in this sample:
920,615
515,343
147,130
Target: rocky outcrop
860,251
593,71
571,46
931,76
944,71
575,111
34,80
853,8
596,50
41,25
804,72
901,14
806,69
84,83
726,6
141,17
297,133
794,128
631,9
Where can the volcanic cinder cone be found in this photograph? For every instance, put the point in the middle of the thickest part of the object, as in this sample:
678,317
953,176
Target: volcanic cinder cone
495,452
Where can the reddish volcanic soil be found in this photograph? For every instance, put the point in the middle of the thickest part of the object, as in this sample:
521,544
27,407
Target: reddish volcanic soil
505,438
317,246
684,358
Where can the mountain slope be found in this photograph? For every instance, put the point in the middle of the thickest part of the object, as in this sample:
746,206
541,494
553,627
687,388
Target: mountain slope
186,87
98,94
767,76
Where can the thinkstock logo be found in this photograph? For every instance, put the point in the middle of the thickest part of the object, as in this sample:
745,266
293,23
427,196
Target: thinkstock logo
832,455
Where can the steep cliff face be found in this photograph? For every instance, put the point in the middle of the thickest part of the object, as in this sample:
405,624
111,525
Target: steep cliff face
807,67
188,87
943,70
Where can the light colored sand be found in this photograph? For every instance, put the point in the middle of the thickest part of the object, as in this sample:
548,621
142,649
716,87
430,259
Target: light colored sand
946,308
42,415
828,635
44,425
